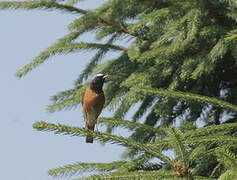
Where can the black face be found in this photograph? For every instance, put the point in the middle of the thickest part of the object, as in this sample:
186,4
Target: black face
97,82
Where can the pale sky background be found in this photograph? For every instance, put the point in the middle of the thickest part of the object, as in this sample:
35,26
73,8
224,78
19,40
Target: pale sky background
26,154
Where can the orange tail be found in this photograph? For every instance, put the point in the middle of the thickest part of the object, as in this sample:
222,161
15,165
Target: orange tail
89,139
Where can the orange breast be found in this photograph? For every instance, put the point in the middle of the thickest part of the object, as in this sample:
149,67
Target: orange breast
93,103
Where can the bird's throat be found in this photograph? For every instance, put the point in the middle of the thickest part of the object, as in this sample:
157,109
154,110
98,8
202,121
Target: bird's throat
96,88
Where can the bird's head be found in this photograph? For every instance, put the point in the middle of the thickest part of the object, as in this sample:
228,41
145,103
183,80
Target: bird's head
97,82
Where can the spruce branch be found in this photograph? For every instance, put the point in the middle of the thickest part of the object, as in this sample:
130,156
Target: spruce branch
126,103
149,167
174,43
94,61
147,102
89,68
72,169
230,2
133,164
200,140
211,140
210,130
215,170
188,96
93,20
132,176
229,174
125,123
226,157
64,48
67,130
46,53
197,152
203,178
40,5
66,99
64,104
64,94
176,140
232,15
216,54
231,37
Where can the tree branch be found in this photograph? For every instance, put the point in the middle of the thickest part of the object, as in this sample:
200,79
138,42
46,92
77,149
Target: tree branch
40,4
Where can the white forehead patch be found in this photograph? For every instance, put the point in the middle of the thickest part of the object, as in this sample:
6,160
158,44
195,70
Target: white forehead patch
98,75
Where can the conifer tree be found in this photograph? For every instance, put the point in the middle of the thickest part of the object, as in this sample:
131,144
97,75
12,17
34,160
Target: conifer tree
179,66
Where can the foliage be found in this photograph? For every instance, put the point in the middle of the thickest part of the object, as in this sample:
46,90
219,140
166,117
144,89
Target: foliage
190,148
178,66
165,51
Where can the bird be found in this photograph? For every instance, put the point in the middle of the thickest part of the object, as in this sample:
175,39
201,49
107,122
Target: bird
93,100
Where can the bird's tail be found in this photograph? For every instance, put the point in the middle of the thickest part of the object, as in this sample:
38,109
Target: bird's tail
89,139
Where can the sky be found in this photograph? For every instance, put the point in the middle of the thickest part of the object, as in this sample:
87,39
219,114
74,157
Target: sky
27,154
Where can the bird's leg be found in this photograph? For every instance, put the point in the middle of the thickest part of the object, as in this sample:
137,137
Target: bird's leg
96,127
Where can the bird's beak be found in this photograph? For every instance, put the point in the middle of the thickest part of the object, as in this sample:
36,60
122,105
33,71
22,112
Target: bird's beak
105,77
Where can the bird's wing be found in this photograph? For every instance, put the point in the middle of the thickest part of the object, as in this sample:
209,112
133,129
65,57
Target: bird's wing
82,97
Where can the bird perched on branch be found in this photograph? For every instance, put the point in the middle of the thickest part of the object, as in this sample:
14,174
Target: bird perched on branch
93,101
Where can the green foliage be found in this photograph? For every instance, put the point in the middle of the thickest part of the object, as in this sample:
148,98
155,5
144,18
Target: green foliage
165,50
229,174
227,158
40,5
189,148
188,96
178,65
129,124
72,169
133,176
103,136
66,99
64,48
